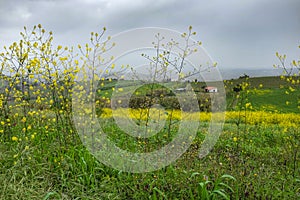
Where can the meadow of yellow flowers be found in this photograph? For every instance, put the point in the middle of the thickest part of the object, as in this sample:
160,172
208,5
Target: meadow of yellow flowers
42,157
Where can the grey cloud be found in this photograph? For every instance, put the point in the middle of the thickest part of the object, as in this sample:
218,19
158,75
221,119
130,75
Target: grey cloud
237,33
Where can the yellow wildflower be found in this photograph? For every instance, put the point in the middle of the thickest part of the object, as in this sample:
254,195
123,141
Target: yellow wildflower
235,139
23,119
14,138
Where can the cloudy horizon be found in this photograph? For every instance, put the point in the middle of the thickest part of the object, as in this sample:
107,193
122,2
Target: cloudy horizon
236,34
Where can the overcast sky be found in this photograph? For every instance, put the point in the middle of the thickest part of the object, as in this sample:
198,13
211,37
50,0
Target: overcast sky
236,33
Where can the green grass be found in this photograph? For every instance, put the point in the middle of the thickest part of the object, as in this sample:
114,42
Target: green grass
260,160
268,82
275,100
270,94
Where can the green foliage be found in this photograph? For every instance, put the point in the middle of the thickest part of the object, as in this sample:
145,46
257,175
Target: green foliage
70,171
215,190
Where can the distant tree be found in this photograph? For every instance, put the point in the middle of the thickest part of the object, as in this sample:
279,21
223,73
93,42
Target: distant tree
244,76
237,88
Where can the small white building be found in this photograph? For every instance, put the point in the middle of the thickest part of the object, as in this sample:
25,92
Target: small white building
180,90
210,89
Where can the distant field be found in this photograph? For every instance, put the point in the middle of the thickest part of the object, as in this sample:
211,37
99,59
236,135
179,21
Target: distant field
275,100
265,93
268,94
269,82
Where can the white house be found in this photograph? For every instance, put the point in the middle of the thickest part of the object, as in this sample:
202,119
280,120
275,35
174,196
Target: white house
210,89
180,89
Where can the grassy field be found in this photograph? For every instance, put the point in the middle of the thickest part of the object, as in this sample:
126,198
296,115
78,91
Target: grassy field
259,157
266,93
256,157
275,100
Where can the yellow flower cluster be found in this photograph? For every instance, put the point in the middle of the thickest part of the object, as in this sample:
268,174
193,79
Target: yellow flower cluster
252,117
